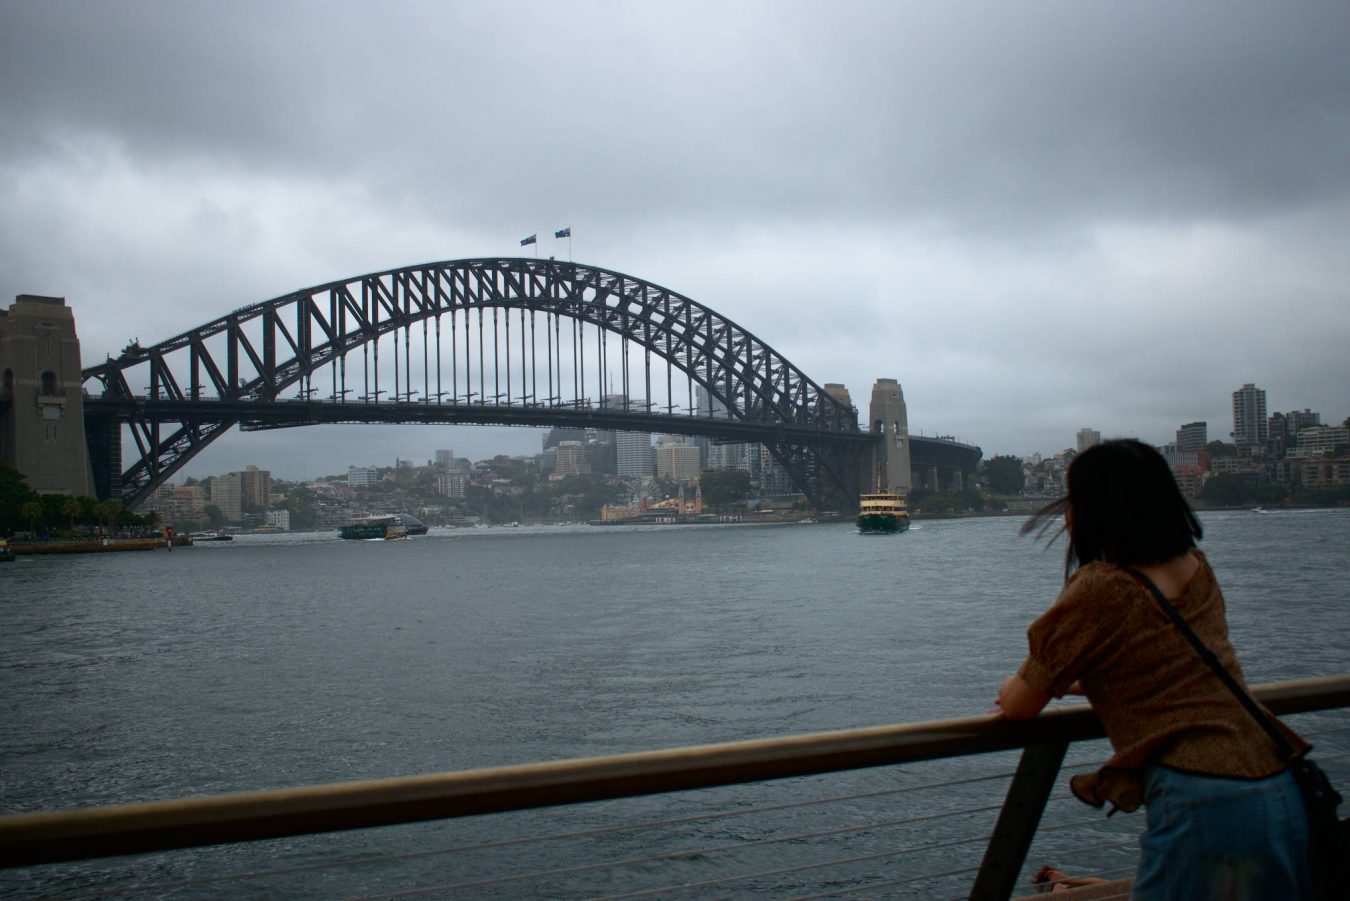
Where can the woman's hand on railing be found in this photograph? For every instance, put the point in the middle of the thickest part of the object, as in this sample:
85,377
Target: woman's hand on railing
1018,699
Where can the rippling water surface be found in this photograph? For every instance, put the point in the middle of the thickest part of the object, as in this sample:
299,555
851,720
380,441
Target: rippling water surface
275,661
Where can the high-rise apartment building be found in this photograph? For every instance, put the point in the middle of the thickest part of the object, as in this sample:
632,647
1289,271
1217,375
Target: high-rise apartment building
1284,427
680,462
773,478
633,451
361,476
1250,428
255,489
1320,439
452,484
571,459
443,458
557,435
1193,436
1087,438
225,495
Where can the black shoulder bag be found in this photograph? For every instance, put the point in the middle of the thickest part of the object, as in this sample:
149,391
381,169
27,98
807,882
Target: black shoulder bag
1328,846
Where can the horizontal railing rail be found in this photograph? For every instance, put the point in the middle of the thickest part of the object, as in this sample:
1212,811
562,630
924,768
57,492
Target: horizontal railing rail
39,838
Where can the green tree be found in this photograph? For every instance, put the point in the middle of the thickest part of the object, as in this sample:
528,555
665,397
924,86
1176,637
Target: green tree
1230,490
1004,474
14,493
1221,449
724,487
32,513
213,515
72,507
300,501
106,512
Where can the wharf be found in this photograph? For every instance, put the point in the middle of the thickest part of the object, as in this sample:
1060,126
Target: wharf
87,546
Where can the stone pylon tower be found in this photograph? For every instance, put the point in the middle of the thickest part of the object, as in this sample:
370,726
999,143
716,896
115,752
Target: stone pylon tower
41,399
886,415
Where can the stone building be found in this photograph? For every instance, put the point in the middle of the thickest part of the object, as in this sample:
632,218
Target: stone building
41,397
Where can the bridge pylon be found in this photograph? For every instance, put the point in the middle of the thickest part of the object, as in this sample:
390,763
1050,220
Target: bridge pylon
42,431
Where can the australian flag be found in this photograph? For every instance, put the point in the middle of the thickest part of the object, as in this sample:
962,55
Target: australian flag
530,240
563,232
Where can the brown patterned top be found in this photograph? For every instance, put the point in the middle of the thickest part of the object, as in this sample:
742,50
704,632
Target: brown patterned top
1160,703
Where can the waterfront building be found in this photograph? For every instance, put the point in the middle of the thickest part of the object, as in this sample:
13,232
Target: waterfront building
634,454
278,519
571,459
451,484
1087,438
255,489
1324,472
713,455
602,454
680,462
1193,436
226,496
361,476
42,432
176,505
1250,426
730,456
1284,428
1229,465
774,480
1320,440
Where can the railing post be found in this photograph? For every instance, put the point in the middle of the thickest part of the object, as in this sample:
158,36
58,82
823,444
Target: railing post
1017,822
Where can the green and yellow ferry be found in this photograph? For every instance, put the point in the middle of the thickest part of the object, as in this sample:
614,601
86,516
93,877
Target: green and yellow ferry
882,513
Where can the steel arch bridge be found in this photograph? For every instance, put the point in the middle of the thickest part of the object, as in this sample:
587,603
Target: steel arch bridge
441,336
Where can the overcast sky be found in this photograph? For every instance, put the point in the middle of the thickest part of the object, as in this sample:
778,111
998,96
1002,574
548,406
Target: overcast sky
1038,216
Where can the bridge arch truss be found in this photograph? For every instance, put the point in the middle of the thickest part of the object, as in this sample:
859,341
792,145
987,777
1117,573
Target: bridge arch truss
510,340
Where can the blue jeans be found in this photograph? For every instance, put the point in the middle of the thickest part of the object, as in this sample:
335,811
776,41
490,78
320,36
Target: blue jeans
1214,838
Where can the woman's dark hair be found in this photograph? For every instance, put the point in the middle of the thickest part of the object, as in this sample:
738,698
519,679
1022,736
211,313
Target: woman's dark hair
1123,507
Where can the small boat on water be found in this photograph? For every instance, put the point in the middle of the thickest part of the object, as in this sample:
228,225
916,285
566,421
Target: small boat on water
210,536
882,513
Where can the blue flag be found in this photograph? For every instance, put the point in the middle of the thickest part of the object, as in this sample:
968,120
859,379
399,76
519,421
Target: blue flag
530,240
563,232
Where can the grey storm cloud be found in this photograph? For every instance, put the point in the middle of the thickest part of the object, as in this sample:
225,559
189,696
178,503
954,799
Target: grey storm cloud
1123,210
1015,113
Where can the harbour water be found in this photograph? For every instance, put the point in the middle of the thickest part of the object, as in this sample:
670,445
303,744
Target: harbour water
275,661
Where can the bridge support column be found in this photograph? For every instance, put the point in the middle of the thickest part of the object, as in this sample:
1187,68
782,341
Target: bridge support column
41,396
887,416
104,434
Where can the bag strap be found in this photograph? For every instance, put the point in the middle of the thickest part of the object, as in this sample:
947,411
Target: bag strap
1264,719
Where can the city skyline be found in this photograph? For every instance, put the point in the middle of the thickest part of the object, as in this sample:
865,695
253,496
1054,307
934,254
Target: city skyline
997,206
201,466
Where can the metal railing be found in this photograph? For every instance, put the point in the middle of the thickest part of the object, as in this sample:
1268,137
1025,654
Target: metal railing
32,839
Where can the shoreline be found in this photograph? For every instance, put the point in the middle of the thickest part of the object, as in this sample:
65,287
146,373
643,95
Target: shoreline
87,546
